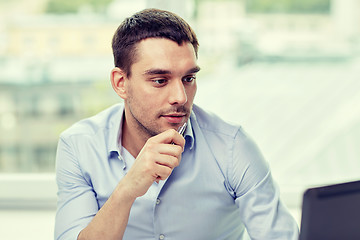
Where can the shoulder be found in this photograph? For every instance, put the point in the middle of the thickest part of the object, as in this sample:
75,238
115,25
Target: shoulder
222,133
212,124
235,151
91,126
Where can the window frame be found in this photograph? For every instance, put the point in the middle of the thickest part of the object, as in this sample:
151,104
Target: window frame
28,191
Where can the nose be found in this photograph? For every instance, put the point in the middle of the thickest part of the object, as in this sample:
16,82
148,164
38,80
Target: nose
177,93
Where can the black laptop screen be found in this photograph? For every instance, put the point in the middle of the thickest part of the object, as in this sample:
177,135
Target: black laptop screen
331,212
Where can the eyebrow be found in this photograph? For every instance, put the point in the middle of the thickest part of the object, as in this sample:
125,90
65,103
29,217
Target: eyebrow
194,70
158,71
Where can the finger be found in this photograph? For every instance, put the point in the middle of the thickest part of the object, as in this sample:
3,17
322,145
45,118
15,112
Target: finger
168,149
168,161
169,136
163,172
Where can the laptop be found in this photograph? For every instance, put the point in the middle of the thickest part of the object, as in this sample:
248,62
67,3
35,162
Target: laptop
331,212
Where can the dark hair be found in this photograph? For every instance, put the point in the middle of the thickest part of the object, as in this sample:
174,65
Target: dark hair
149,23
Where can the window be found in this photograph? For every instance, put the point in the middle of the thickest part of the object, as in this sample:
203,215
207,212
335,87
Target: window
286,71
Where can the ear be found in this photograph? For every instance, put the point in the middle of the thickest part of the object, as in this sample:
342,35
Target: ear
118,78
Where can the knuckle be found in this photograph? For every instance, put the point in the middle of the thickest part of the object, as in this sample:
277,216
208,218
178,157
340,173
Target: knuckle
168,171
179,150
173,132
175,161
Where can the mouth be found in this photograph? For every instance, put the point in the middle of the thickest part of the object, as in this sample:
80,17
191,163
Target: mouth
175,118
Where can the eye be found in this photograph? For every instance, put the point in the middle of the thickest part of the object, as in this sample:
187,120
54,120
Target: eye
159,82
189,79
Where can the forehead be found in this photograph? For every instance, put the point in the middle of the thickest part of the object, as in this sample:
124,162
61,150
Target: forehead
163,53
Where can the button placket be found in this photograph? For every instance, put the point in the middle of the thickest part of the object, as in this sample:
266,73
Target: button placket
158,201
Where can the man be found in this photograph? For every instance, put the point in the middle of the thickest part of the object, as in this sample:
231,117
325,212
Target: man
126,173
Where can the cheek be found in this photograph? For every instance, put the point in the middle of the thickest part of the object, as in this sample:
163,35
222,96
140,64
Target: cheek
191,93
137,93
135,99
143,102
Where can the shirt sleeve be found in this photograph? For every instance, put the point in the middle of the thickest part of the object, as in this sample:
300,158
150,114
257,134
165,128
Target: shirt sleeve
77,203
256,194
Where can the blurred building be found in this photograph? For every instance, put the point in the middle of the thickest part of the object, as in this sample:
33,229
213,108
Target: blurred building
54,71
331,35
226,28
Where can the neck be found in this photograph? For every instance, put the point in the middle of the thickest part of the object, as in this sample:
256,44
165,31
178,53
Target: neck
133,139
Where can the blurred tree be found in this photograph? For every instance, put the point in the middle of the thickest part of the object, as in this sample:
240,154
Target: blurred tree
288,6
73,6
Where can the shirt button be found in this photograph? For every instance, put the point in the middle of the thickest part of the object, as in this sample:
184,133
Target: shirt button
161,237
158,201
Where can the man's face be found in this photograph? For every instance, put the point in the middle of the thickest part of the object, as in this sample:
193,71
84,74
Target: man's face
162,85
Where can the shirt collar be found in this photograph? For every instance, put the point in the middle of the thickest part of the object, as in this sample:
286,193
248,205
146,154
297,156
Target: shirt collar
115,131
189,134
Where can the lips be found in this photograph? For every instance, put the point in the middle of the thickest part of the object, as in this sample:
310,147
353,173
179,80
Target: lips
174,117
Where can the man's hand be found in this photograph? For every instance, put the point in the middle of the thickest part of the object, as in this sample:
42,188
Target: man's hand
156,160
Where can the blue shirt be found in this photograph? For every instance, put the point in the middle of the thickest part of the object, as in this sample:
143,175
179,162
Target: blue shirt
222,185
